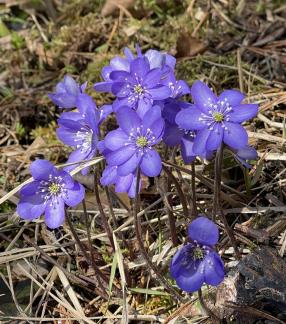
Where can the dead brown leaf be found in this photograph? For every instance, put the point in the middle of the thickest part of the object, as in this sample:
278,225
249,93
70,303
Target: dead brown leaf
111,6
189,46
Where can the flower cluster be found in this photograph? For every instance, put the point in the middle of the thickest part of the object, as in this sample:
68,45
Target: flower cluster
150,111
197,262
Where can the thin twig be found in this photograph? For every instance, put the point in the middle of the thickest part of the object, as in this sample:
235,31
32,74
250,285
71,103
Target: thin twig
214,318
138,230
104,219
87,225
179,191
83,282
217,200
171,218
82,248
194,196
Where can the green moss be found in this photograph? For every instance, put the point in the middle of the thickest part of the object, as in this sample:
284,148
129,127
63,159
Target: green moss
48,134
6,207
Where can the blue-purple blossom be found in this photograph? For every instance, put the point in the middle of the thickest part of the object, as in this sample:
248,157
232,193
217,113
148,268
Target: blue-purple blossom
138,88
245,154
216,119
174,135
125,183
48,194
178,88
132,144
155,58
67,92
80,131
197,262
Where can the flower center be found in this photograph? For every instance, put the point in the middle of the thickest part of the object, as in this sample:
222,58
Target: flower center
142,141
218,112
198,253
218,117
138,89
54,188
84,137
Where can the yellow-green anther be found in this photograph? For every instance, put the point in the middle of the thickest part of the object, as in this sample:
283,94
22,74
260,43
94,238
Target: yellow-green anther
54,188
142,141
198,253
218,117
138,89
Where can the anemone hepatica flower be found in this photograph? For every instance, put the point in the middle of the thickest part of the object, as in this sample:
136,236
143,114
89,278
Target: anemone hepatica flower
67,92
197,262
173,135
245,154
80,131
50,191
216,119
178,88
122,183
155,58
138,88
131,145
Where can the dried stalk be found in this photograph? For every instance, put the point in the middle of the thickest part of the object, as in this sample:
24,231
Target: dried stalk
138,230
217,209
104,219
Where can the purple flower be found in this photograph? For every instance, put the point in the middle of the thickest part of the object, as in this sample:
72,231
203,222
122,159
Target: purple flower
216,119
197,262
122,183
178,88
155,58
50,191
80,131
116,64
174,135
67,92
138,88
131,145
245,154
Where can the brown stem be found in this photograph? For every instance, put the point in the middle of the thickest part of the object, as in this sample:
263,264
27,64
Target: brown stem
87,225
138,230
217,201
179,191
83,250
104,219
79,280
169,211
214,318
124,241
194,196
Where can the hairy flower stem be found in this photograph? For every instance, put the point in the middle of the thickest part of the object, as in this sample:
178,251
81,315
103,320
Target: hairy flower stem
104,219
124,241
138,231
87,225
179,191
214,318
171,218
217,209
83,250
194,196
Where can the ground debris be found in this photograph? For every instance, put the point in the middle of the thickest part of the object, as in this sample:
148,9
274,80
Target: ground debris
258,280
